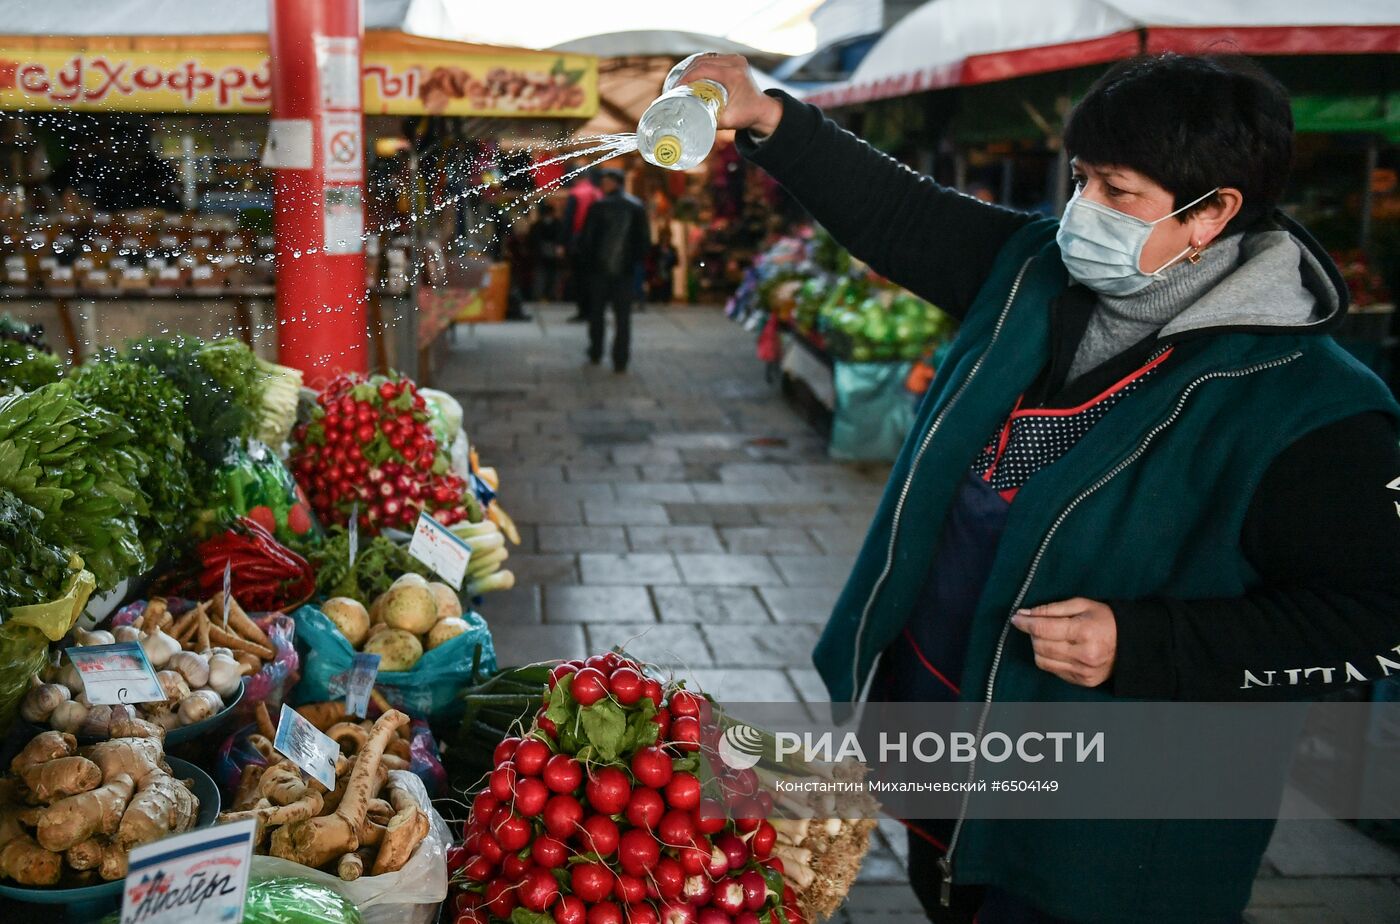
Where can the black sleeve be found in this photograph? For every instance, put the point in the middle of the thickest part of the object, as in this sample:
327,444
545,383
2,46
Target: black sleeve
934,241
1323,531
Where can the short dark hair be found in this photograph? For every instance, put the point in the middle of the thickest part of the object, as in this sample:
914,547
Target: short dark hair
612,173
1191,124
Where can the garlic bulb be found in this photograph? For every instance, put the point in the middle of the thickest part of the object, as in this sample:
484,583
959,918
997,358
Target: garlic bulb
40,702
193,667
225,674
98,722
126,634
174,686
68,717
69,676
159,648
219,651
167,719
97,637
199,705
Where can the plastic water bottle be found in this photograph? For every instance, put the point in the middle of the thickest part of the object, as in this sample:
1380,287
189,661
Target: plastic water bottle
678,129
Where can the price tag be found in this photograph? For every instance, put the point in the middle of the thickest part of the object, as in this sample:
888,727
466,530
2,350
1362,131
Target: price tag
116,674
440,549
228,589
354,532
304,745
363,673
194,877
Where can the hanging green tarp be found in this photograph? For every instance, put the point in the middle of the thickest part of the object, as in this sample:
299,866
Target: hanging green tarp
1377,114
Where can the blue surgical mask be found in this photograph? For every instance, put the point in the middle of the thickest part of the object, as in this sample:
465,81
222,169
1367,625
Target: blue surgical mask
1101,247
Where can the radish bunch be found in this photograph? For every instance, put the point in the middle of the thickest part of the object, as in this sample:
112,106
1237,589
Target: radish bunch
369,442
598,815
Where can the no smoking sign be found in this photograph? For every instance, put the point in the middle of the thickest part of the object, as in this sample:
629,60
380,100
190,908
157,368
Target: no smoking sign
341,146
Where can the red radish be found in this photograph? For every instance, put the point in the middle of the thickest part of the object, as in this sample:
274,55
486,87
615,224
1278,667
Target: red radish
685,733
764,837
718,863
479,869
530,757
608,790
685,703
514,868
747,917
729,895
738,782
755,889
500,898
559,672
652,767
698,890
734,850
629,889
651,689
645,808
539,890
531,795
676,829
589,686
503,781
694,859
571,910
638,852
663,723
600,835
546,725
640,913
709,817
513,832
626,686
591,882
748,813
712,915
668,878
677,914
484,804
605,913
562,774
490,849
683,791
775,863
562,815
549,852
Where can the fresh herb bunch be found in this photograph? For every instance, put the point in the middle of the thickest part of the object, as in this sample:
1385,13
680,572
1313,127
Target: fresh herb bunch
32,570
155,410
219,384
378,563
25,367
82,469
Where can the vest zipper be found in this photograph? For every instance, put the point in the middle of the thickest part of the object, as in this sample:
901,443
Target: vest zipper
945,862
914,467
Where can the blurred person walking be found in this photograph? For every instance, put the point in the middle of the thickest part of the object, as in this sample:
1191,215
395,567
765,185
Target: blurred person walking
583,193
612,247
547,247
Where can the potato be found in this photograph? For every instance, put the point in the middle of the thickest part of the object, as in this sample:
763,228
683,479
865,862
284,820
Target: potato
398,650
416,580
410,607
350,617
448,603
444,629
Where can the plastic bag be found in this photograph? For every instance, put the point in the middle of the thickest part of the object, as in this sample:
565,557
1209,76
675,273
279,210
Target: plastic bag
873,411
269,685
428,691
411,895
25,637
254,483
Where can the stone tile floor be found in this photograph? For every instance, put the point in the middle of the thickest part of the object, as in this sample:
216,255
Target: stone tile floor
685,510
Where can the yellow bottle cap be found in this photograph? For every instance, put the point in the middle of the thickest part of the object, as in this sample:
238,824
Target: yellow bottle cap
667,150
709,91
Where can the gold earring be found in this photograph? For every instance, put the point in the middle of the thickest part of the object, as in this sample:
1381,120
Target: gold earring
1195,256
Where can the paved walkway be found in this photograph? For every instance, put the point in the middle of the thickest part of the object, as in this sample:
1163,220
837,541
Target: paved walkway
684,510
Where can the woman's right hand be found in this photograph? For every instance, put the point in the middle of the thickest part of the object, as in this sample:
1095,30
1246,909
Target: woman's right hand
748,107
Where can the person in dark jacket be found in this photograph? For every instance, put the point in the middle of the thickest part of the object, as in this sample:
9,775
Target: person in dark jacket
547,247
613,244
1144,469
583,192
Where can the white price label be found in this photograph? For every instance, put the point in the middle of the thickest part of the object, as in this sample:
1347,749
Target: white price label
116,674
354,532
363,672
194,877
228,589
441,550
304,745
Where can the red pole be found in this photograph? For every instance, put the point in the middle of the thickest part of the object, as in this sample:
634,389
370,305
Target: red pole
316,144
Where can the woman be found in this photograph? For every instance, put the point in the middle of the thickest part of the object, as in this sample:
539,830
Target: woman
1144,470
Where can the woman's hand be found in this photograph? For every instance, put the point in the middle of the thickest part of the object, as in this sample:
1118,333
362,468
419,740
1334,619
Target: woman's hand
748,106
1075,639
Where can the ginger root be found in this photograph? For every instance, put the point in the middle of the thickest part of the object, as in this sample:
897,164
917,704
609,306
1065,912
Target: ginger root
60,777
138,758
402,836
161,806
86,855
42,748
71,821
317,841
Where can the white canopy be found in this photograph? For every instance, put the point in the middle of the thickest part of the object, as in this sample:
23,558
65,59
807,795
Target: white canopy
952,42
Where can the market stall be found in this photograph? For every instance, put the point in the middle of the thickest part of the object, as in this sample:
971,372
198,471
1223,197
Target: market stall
137,168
